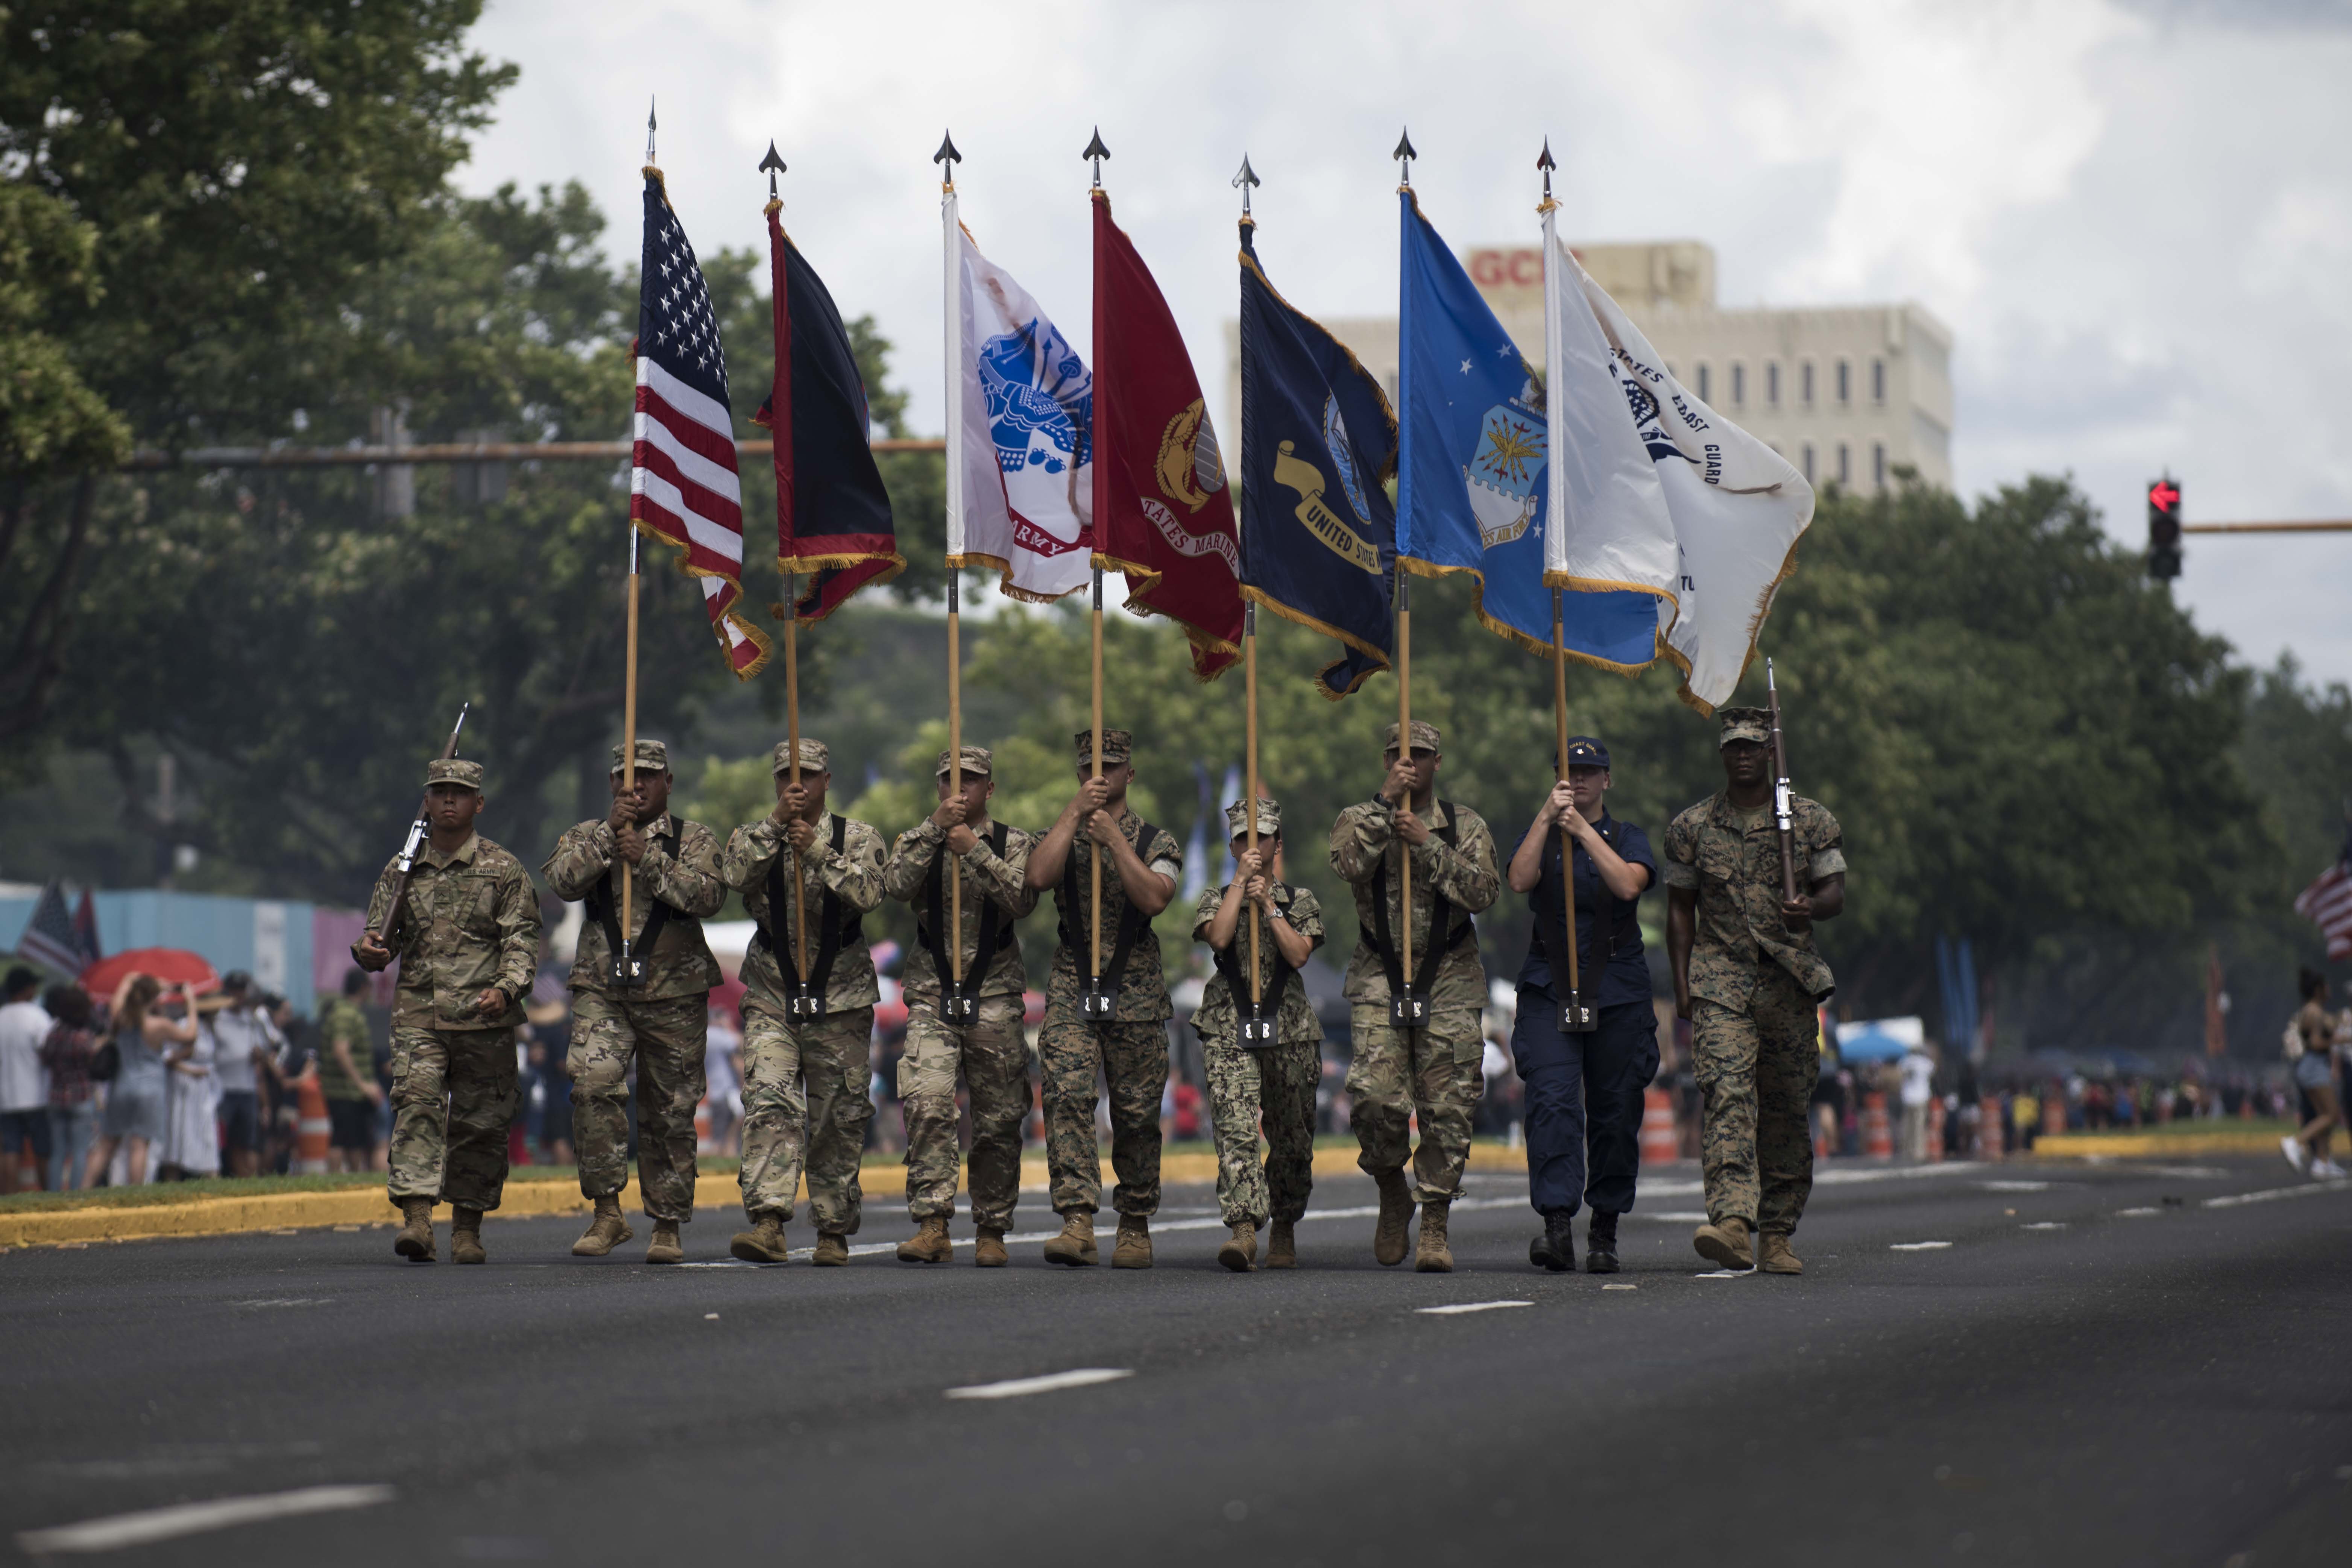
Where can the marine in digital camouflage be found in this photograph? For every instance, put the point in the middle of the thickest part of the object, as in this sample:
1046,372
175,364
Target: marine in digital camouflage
1142,985
1730,860
1219,1016
470,922
1132,1058
1271,1088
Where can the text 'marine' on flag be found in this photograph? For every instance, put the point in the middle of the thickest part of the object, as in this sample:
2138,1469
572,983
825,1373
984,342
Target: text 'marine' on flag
684,487
1319,444
1471,465
1162,515
832,515
1667,496
1019,430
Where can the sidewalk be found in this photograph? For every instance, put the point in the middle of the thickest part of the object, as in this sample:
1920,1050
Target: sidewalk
527,1196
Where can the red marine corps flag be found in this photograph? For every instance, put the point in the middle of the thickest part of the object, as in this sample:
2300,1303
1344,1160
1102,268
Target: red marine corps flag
1162,513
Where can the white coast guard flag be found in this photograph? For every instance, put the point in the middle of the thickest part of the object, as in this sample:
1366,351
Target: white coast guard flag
1020,431
1655,492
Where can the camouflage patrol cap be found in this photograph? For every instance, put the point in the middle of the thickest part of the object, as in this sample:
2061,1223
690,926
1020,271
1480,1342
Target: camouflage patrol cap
1424,738
653,757
815,758
976,760
458,771
1744,724
1269,818
1118,745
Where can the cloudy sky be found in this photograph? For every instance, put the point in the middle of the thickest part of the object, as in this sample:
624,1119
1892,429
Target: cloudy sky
2135,214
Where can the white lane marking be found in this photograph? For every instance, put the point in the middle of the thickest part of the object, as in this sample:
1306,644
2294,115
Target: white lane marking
1457,1307
2269,1194
193,1518
2192,1172
289,1301
2014,1186
1013,1388
2135,1214
1726,1274
1919,1245
2045,1225
1621,1287
1673,1216
1838,1177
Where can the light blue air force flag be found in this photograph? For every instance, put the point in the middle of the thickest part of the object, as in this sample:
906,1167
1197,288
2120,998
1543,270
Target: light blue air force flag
1471,495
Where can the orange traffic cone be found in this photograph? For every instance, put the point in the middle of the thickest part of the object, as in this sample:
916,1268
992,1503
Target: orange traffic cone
1877,1137
311,1128
1935,1149
1660,1142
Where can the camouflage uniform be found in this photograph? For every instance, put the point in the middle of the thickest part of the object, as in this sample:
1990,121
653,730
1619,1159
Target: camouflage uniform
664,1023
1434,1070
1754,984
1275,1084
821,1127
470,922
1130,1051
990,1052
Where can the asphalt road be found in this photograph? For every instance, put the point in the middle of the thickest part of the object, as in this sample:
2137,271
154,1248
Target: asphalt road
2095,1365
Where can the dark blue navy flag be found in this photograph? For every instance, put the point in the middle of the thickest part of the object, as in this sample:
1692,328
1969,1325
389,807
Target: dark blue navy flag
1318,444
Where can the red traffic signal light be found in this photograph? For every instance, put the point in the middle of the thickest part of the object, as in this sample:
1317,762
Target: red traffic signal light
2164,527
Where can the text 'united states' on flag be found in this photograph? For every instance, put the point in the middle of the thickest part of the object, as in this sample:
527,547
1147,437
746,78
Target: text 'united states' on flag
684,487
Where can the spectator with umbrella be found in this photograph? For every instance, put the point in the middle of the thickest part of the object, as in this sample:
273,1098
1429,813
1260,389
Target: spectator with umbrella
135,1076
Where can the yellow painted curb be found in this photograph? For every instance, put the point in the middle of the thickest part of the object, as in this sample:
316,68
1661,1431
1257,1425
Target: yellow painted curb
2146,1146
524,1197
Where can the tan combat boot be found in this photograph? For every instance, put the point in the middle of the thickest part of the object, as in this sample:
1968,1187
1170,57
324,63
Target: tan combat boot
989,1251
1133,1248
1430,1254
1726,1245
466,1236
929,1244
1773,1257
832,1250
1396,1213
606,1231
665,1247
1281,1247
764,1243
1240,1251
1075,1245
414,1241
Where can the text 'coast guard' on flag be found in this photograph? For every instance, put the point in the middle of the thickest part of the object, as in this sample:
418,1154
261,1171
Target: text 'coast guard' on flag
684,485
1019,430
1319,444
1471,482
833,514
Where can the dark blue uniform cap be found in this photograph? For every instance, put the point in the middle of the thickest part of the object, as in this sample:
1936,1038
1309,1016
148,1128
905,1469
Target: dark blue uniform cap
1584,752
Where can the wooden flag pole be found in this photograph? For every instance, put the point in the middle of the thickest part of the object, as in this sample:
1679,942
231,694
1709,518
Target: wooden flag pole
955,777
629,736
1249,791
1093,859
1567,845
1405,751
793,742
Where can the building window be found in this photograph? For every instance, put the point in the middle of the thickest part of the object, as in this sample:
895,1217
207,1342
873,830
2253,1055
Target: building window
1808,464
1878,464
1845,462
1772,383
1805,383
1845,381
1878,380
1738,386
1703,379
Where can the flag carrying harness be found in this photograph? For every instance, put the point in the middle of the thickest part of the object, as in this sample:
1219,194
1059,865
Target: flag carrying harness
1441,913
603,907
932,926
1132,921
838,929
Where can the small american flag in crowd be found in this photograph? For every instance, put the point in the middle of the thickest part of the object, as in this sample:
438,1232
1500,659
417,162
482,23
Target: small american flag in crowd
58,941
2329,903
683,486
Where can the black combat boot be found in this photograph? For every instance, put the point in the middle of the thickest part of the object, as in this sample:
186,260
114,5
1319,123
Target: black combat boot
1601,1243
1556,1249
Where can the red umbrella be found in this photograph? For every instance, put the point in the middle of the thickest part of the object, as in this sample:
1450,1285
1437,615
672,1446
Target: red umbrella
171,965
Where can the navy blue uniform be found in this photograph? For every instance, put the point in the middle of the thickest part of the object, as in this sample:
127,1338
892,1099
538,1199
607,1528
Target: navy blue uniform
1584,1091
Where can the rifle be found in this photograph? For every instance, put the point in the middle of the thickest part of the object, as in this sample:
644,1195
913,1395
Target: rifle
413,843
1782,817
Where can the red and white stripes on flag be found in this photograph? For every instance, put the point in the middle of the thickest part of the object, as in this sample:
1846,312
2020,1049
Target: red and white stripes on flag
684,486
2327,903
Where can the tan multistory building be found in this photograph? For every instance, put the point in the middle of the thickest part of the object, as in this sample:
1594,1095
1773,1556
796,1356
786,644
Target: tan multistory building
1849,394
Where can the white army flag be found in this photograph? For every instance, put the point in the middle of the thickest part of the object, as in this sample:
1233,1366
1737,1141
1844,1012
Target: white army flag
1019,430
1706,517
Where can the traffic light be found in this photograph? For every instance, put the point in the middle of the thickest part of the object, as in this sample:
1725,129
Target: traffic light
2164,527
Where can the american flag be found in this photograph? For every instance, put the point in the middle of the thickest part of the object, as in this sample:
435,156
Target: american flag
56,940
683,483
2328,902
